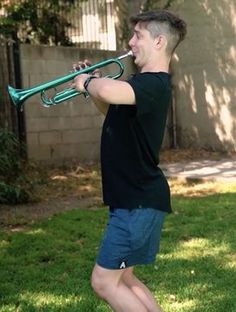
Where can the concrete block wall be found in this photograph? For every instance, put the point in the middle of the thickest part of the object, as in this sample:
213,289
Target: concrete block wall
204,75
70,130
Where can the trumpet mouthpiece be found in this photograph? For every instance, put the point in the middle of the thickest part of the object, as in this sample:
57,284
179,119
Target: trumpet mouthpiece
129,53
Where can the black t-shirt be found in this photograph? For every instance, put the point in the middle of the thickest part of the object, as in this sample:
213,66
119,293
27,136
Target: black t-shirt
131,139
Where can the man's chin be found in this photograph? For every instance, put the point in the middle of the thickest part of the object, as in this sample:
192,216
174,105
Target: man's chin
135,60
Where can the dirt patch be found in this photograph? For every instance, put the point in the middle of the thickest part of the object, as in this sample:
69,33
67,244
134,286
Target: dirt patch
55,190
16,217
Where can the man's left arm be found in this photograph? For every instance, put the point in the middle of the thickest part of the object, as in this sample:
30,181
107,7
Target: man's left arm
106,90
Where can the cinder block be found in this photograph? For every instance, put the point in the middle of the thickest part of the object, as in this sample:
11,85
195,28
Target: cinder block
50,137
34,66
98,121
85,152
56,67
81,136
81,123
34,109
32,139
39,152
37,125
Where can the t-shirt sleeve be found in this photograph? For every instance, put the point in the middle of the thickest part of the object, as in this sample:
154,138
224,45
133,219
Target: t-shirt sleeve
148,89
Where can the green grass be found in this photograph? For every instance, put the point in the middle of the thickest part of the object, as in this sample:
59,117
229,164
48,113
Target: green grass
46,266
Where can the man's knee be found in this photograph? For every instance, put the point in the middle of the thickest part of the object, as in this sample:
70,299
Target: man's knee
97,284
101,282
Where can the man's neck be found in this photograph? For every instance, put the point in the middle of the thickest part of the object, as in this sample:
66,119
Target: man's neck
161,66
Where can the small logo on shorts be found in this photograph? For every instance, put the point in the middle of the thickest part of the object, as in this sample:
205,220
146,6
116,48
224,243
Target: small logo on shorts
123,265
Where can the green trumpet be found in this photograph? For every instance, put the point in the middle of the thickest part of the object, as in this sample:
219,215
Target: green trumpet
18,96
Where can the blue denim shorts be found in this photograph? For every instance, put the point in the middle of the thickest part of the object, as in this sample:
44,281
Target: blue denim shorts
132,237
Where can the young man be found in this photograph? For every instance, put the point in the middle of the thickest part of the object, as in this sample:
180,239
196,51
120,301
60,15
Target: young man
134,187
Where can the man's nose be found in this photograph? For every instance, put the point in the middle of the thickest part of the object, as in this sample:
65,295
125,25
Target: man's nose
131,42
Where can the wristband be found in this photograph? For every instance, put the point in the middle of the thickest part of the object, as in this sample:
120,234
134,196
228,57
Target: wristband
87,81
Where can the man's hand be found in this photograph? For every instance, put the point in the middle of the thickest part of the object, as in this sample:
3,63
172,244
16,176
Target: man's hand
79,80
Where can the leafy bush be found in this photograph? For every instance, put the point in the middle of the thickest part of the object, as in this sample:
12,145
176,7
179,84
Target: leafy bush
36,21
13,183
12,194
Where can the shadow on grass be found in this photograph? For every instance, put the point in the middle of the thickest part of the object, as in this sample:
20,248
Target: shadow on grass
47,266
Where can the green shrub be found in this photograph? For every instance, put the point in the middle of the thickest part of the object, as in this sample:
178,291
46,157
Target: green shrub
13,182
12,194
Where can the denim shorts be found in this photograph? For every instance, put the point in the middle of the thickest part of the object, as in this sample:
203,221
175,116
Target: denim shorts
132,237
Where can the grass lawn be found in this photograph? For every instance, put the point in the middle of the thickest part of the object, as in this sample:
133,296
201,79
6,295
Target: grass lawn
46,266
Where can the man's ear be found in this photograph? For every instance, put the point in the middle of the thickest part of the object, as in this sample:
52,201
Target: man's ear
160,42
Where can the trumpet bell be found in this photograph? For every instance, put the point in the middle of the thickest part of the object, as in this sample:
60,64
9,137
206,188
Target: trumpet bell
18,96
15,96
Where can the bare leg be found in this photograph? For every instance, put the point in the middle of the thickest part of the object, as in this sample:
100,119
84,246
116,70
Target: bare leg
109,285
140,290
